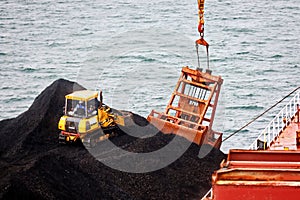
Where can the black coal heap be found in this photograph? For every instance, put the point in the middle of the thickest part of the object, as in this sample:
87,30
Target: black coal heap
34,166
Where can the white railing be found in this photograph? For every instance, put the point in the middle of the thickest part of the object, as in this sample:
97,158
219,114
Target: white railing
275,127
208,195
278,124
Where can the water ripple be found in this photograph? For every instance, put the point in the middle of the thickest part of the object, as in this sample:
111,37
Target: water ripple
256,54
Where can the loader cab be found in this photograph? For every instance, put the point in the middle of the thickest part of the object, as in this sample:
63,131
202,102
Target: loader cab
81,104
80,116
87,118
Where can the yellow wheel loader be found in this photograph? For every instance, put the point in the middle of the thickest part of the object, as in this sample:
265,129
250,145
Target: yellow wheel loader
89,119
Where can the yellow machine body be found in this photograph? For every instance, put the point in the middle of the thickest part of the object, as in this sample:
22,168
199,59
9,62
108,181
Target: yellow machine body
84,116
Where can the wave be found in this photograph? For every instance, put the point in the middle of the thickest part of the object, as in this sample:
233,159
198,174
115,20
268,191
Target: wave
248,107
28,69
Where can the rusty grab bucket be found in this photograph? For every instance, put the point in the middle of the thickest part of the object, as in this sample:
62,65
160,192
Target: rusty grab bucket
191,108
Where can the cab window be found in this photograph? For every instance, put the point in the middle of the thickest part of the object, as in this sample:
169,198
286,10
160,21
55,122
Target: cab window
76,108
92,106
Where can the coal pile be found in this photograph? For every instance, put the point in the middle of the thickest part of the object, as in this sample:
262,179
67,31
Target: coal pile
34,166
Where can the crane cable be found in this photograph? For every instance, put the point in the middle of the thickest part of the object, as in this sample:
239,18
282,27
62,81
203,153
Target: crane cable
201,41
197,51
254,119
201,17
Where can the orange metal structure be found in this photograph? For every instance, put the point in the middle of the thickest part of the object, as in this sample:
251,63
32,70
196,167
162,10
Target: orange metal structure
201,40
271,169
191,109
252,174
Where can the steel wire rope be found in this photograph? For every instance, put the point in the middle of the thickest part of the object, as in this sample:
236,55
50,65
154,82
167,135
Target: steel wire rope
254,119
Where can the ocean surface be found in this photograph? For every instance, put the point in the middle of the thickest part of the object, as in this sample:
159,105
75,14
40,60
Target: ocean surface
133,50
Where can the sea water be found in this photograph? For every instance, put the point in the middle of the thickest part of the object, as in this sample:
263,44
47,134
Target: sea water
133,51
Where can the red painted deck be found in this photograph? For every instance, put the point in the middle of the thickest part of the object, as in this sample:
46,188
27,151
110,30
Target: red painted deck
287,139
270,169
